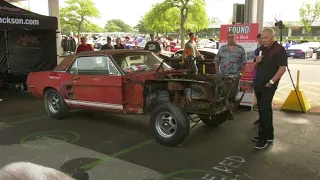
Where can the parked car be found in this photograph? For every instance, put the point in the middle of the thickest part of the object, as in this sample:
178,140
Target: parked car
99,43
174,60
136,82
313,45
299,51
207,43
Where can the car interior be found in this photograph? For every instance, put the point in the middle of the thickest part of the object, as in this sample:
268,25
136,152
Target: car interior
99,65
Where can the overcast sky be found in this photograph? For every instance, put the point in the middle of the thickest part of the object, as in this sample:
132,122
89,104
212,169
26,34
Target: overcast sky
130,11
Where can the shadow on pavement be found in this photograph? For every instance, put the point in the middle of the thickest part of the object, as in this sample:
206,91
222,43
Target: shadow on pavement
72,165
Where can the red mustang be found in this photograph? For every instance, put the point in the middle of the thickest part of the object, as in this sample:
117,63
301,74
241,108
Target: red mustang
132,82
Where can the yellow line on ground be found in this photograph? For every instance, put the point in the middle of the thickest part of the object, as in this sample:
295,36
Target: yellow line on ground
311,93
312,87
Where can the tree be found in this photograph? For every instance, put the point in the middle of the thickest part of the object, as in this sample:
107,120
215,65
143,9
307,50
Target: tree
214,20
117,25
112,27
140,27
309,13
187,10
230,20
77,13
161,19
90,27
196,15
19,4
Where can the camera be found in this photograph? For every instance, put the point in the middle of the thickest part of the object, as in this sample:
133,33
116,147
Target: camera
279,24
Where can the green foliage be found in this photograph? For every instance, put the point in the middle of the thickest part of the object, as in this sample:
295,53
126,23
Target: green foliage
309,13
76,15
161,19
140,27
197,19
117,25
214,20
173,14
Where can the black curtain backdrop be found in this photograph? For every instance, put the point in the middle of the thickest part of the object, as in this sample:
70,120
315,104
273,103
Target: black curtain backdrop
3,56
31,51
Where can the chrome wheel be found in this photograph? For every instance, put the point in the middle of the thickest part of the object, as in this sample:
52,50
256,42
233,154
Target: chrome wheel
166,125
54,104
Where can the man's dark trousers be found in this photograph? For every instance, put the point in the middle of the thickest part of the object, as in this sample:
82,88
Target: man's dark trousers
264,97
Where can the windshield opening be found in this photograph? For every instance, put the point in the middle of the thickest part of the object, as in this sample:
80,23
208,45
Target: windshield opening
139,61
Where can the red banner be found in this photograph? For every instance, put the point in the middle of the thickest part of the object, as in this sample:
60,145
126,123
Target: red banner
248,74
245,33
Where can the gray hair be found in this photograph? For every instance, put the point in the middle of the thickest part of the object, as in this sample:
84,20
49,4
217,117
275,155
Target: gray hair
268,30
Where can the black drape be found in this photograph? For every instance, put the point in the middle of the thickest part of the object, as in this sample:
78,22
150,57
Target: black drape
31,51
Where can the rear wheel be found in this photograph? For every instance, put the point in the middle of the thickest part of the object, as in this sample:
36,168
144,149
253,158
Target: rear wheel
55,105
214,120
169,124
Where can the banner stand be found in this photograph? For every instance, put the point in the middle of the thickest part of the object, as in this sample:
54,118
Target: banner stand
246,36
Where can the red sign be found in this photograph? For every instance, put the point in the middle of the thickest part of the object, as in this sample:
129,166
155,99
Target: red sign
248,74
245,33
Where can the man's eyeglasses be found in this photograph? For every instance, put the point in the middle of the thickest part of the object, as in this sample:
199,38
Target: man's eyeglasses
230,37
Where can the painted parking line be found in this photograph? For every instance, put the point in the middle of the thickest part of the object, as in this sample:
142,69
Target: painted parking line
5,125
311,87
116,155
22,121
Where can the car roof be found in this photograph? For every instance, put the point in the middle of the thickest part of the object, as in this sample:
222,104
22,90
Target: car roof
108,52
68,59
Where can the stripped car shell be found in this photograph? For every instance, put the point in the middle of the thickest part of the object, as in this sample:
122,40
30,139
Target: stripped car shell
136,82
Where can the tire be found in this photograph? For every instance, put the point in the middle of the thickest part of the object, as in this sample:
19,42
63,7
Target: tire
180,124
60,109
214,121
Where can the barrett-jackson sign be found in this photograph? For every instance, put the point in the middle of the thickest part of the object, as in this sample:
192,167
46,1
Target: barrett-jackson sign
239,29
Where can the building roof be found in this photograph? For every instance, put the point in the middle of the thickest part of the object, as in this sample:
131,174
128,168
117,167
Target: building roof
271,24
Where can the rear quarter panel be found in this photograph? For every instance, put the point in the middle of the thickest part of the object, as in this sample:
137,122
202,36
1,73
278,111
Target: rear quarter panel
37,82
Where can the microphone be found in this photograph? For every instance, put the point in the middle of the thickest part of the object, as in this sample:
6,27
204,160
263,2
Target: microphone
260,53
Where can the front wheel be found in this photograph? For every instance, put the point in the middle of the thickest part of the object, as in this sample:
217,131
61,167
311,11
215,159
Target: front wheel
214,120
55,105
169,124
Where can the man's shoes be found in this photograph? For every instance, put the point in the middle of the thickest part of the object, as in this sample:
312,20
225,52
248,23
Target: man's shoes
257,121
231,117
261,144
257,139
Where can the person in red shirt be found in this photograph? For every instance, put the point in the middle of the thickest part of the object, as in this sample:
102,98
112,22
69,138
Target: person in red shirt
83,47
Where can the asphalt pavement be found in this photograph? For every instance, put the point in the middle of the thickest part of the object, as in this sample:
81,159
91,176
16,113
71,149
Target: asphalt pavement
309,81
118,147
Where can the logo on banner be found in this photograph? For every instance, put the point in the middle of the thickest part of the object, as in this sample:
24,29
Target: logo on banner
27,39
10,9
239,29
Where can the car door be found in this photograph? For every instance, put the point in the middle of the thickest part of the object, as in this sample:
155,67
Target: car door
97,84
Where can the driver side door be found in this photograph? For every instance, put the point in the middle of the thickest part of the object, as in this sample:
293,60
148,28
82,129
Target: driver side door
96,83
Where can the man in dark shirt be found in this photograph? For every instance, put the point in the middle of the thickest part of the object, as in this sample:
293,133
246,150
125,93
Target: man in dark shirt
118,44
270,67
108,45
153,45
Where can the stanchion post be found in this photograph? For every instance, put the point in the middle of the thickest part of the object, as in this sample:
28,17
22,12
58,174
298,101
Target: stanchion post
298,81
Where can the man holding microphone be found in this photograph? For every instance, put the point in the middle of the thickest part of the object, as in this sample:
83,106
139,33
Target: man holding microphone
270,66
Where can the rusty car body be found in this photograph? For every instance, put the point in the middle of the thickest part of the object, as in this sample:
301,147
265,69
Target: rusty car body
205,66
135,82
